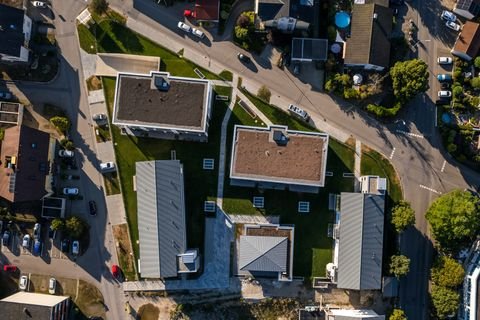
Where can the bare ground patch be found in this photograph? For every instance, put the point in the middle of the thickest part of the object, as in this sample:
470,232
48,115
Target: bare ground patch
148,312
124,251
94,83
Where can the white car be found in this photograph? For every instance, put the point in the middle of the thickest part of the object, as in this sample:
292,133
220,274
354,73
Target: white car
22,284
99,117
70,191
298,112
444,60
198,33
26,241
107,166
37,231
52,285
39,4
75,247
185,27
452,25
448,16
66,153
444,94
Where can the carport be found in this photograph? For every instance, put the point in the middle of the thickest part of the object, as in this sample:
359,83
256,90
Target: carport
109,64
306,49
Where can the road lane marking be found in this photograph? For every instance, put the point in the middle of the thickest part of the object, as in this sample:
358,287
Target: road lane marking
411,134
443,166
430,189
393,152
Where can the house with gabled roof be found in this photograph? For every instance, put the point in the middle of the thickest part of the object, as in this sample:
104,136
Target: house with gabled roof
467,45
266,251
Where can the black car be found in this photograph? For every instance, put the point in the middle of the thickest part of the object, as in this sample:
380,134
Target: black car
243,58
65,245
440,102
445,85
93,208
6,238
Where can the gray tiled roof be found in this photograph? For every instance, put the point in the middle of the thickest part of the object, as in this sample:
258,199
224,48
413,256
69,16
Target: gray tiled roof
263,253
369,42
161,216
361,241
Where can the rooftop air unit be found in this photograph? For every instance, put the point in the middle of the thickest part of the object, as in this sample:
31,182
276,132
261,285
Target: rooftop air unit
160,82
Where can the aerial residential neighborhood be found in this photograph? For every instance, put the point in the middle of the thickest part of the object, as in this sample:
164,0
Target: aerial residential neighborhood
221,159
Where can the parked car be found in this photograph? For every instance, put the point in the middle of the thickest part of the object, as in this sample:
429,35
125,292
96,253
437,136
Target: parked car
188,13
37,231
93,207
22,284
243,58
183,26
37,247
75,247
444,60
65,245
26,241
115,271
299,112
9,268
66,153
5,95
452,25
444,77
448,16
444,94
296,68
6,238
69,191
198,33
39,4
99,117
445,85
52,285
442,101
107,166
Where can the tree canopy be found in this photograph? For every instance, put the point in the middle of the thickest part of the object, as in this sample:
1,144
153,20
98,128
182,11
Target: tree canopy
403,216
75,226
397,314
399,265
445,301
409,78
61,123
454,218
58,224
447,272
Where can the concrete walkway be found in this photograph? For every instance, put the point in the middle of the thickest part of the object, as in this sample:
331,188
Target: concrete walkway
254,219
357,167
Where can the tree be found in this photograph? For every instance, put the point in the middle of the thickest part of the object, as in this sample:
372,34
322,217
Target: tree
243,21
409,78
75,226
445,301
99,6
264,93
397,314
58,224
477,62
61,123
454,218
475,82
403,216
447,273
399,265
241,33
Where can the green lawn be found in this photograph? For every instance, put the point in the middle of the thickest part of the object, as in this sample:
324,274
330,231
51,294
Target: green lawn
114,37
313,249
200,184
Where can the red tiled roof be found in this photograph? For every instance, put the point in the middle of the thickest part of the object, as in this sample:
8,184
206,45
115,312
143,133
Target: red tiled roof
207,10
468,41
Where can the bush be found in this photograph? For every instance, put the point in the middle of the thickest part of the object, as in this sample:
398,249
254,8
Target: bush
61,123
351,93
451,148
475,82
99,6
477,62
264,93
384,112
243,21
75,226
241,33
58,224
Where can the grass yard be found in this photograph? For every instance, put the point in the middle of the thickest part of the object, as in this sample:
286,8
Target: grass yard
113,37
200,184
120,232
112,185
313,249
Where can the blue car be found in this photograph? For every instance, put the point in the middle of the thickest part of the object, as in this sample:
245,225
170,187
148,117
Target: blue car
444,77
37,248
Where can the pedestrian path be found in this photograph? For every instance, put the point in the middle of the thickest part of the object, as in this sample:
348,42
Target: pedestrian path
254,219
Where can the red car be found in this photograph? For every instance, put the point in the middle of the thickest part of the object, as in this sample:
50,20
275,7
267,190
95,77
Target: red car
115,270
9,268
188,13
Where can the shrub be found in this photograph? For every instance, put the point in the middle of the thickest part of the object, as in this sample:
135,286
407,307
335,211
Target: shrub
451,148
264,93
351,93
384,112
477,62
243,21
99,6
241,33
61,123
75,226
475,82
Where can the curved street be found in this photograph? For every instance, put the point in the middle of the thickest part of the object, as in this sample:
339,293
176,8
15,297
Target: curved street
412,144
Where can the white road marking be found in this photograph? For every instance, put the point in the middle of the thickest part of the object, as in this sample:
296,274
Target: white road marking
443,166
430,189
393,152
411,134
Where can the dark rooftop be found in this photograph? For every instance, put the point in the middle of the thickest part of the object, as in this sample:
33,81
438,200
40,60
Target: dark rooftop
139,102
369,42
273,9
207,10
14,311
11,30
472,6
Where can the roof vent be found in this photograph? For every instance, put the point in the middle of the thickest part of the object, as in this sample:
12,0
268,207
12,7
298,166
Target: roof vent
160,82
279,137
